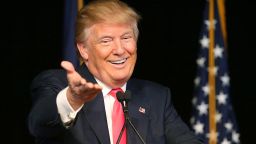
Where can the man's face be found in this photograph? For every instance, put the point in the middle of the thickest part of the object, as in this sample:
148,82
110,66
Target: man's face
110,52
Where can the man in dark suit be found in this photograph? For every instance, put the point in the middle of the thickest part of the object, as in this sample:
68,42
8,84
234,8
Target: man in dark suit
74,106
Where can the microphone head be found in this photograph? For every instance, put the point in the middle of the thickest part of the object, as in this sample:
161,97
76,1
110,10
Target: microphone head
120,96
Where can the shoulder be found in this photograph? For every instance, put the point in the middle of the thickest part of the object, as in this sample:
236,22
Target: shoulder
50,76
50,73
148,87
147,84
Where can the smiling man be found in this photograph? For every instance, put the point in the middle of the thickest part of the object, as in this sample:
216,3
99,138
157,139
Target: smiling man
79,105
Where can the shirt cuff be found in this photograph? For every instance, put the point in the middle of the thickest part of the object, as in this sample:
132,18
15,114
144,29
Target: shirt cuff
67,113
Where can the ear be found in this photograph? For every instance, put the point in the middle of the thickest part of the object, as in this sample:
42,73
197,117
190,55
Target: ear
82,50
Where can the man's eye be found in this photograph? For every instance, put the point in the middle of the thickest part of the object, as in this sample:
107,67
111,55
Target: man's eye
105,41
127,37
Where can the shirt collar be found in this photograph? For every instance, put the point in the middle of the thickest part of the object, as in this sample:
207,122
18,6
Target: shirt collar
106,89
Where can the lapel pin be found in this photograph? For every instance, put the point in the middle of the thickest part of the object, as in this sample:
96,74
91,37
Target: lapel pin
142,110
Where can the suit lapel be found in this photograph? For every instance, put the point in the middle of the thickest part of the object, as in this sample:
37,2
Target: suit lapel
96,117
95,111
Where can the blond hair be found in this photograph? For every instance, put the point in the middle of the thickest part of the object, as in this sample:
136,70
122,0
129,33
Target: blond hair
109,11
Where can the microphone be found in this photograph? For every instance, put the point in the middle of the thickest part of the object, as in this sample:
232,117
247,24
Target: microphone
124,98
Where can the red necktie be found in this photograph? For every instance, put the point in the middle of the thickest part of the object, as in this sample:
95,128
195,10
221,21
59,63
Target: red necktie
117,118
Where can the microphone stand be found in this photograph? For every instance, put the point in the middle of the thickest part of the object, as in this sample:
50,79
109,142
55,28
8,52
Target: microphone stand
127,119
136,131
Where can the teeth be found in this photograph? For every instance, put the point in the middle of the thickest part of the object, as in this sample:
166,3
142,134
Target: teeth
119,61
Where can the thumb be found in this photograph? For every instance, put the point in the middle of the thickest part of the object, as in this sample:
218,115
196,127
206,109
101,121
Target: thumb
68,66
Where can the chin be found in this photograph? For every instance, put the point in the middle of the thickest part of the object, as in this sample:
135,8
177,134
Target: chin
121,78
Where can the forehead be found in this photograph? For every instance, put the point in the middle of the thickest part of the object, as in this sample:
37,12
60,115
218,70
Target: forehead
110,27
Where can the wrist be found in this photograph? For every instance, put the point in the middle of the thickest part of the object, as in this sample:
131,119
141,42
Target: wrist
74,100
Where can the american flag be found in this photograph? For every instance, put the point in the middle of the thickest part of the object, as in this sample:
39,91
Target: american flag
213,119
71,7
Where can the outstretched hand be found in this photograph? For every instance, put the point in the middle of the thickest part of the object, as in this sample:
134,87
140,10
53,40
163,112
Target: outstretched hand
80,90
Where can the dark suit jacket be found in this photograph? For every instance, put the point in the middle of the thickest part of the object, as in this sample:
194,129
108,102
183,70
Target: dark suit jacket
159,124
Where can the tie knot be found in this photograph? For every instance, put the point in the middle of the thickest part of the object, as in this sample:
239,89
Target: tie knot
114,91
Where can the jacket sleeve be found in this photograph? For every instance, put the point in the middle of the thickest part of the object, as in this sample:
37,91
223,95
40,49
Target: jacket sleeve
43,119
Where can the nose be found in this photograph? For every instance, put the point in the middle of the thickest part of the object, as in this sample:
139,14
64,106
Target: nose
119,47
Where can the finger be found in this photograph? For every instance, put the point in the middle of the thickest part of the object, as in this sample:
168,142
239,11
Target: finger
98,87
68,66
83,81
89,85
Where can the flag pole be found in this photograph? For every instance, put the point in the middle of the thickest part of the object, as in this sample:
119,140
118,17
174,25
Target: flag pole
221,9
211,77
80,4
